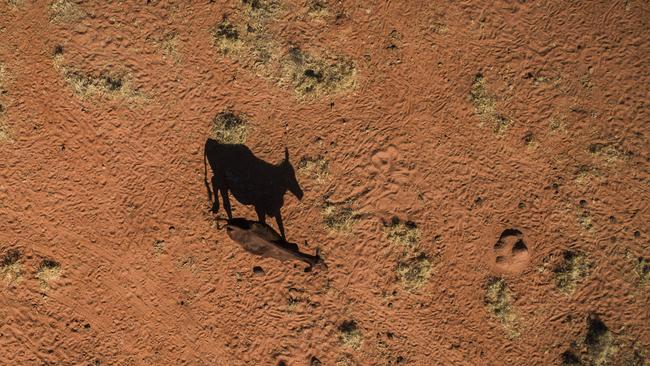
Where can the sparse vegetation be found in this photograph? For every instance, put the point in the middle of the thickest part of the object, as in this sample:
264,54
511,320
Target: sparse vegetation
229,128
314,168
413,273
15,3
498,300
599,341
318,8
169,46
158,247
573,269
249,41
65,11
226,38
642,269
350,335
609,152
4,130
10,267
313,76
110,83
261,8
403,233
339,218
485,105
48,272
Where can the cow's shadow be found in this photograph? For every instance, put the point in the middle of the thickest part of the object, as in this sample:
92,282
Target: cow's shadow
251,180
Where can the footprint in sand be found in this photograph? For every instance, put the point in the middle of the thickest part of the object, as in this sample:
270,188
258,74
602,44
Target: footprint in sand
511,253
384,160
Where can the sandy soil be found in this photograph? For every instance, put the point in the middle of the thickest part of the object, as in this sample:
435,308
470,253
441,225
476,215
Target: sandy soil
475,174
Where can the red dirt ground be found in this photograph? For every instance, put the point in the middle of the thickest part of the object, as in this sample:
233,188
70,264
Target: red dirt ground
463,119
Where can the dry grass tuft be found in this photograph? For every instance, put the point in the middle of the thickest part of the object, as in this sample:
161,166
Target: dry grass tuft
248,40
169,46
115,84
318,8
260,9
350,335
642,269
229,128
48,272
10,267
573,269
314,168
65,11
15,3
404,233
226,38
4,129
4,132
498,300
414,272
485,105
599,341
609,152
339,217
312,76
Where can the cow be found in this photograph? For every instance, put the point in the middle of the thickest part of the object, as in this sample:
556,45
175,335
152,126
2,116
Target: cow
251,180
260,239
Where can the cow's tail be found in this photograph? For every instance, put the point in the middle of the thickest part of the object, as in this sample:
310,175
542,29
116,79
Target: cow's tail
205,172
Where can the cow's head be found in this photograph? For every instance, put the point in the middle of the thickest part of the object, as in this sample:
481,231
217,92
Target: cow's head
290,176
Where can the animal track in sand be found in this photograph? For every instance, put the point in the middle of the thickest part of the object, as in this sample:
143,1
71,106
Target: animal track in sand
511,253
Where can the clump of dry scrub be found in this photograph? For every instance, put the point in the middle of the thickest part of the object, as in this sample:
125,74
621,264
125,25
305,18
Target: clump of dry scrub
312,76
4,130
226,38
10,267
110,83
573,269
339,217
48,272
609,152
498,300
413,273
350,335
404,233
599,341
229,128
642,269
248,40
314,168
65,11
169,46
485,105
318,8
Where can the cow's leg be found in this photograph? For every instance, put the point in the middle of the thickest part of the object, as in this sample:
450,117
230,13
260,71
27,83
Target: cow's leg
215,187
278,220
226,201
261,214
